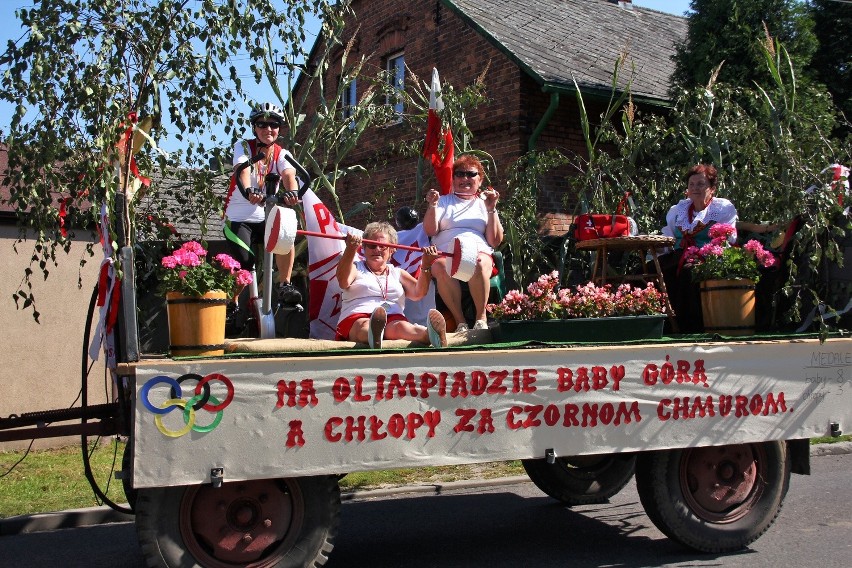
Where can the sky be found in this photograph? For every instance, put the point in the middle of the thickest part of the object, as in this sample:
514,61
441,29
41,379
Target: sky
10,29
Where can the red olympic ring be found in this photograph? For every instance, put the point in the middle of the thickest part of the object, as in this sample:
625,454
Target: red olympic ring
228,384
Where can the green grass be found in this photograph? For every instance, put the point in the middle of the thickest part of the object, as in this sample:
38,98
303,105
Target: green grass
54,480
832,439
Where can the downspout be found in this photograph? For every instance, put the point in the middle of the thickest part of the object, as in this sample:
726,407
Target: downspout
548,114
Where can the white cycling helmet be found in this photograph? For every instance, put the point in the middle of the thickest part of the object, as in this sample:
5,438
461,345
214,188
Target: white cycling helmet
267,111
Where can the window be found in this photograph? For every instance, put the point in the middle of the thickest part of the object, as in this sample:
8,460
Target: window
349,99
396,77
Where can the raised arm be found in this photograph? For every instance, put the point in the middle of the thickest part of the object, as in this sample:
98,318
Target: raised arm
346,267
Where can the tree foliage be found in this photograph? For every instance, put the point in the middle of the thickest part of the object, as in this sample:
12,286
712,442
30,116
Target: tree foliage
85,71
730,31
832,62
768,148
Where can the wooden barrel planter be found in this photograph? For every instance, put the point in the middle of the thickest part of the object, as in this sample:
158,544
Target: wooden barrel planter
197,324
728,306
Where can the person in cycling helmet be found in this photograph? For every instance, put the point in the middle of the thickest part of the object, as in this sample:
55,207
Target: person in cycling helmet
245,216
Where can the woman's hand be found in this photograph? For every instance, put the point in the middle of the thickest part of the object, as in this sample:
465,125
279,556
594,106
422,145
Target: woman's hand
430,254
491,198
353,241
432,197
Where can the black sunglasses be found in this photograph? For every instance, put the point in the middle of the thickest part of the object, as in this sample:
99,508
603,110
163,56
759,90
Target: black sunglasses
462,174
266,124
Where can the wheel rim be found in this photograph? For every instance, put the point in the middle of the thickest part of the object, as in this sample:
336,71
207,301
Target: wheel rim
722,483
249,523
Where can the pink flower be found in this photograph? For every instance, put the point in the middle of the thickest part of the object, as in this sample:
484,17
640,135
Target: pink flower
169,262
195,248
227,262
722,231
187,258
244,277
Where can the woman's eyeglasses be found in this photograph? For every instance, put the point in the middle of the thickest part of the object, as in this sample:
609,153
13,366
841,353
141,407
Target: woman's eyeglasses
461,174
272,125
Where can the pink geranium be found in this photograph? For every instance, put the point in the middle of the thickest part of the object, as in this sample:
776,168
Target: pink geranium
544,300
720,260
187,271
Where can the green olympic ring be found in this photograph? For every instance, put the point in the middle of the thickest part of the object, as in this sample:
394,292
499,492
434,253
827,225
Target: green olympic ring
188,417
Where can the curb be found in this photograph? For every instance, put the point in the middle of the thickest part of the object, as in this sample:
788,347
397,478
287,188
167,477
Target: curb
76,518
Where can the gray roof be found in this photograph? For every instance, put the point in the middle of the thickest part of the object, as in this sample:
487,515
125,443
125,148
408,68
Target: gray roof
555,40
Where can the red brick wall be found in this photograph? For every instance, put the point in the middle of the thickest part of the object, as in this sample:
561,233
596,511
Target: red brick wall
432,36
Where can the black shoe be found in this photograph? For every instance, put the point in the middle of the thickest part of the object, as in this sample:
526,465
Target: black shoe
288,294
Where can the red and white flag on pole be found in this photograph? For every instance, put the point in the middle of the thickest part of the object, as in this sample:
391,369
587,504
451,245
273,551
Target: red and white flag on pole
323,256
442,161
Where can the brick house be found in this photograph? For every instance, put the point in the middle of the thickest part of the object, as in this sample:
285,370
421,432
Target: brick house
533,52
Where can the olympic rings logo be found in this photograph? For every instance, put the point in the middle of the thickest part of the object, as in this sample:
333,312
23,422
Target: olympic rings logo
202,399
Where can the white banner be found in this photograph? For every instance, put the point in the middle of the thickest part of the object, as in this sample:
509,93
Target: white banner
312,415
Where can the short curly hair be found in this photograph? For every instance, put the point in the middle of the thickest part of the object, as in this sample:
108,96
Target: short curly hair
383,228
466,161
709,172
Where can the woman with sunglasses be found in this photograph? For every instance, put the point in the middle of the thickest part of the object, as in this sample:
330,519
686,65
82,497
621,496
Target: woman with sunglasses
245,217
470,214
374,292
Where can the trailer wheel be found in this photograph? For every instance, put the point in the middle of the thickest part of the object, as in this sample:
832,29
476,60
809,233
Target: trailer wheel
127,475
582,480
271,523
714,499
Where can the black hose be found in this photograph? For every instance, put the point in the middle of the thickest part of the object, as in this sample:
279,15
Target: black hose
84,439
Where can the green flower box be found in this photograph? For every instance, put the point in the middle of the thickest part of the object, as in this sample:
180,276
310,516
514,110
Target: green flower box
582,330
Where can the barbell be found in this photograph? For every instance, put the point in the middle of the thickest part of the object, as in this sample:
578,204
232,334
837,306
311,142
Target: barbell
282,229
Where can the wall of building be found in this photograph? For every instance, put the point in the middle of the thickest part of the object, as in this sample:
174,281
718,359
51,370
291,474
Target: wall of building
41,362
430,36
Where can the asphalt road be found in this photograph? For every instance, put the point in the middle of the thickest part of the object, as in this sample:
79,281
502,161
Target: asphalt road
511,526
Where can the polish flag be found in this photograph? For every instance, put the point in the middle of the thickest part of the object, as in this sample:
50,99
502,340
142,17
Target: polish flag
323,256
442,161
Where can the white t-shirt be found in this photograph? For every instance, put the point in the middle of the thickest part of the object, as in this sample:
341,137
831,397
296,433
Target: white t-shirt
463,218
369,291
241,209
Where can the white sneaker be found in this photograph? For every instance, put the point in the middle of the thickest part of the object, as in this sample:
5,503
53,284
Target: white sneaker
378,321
461,328
480,324
437,328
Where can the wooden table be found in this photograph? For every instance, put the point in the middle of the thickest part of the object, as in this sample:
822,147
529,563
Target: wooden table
648,246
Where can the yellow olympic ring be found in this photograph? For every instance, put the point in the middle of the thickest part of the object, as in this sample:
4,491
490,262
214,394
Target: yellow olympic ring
158,419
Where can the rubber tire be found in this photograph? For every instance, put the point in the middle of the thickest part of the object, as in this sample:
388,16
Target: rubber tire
575,483
660,487
158,526
130,493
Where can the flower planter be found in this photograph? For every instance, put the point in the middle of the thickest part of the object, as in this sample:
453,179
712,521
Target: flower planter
727,306
593,330
197,323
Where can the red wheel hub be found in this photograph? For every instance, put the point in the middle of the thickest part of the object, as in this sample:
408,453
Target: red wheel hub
239,522
721,483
